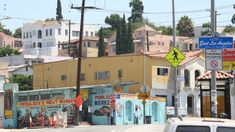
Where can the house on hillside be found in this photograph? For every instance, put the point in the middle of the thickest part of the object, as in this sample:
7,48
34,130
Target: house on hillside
14,43
44,37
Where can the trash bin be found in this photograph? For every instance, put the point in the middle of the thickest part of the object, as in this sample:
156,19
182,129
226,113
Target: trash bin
148,119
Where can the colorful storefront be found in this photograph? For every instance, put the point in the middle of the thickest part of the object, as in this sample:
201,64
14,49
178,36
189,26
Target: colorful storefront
103,104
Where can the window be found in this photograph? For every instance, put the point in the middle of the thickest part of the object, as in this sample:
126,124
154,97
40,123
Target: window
102,75
59,31
225,129
45,96
193,128
63,77
86,33
26,68
119,73
24,35
39,34
50,32
46,32
34,45
89,44
39,45
97,45
27,35
82,77
92,34
190,47
162,71
186,78
22,98
33,97
30,34
66,32
84,44
75,33
197,74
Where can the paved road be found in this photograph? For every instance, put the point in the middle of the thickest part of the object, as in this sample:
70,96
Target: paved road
96,128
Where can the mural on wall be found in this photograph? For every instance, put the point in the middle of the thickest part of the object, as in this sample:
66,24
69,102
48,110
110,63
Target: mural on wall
104,105
8,103
45,113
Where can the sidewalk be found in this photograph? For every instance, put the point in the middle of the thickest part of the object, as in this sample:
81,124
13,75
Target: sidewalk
146,128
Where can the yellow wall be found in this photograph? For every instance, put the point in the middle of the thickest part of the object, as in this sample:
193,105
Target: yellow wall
131,66
4,69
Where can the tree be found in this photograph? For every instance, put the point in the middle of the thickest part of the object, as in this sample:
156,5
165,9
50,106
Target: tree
229,29
206,26
113,20
124,36
25,82
17,33
136,11
101,48
185,27
49,19
129,43
118,39
165,30
233,19
59,15
6,31
8,51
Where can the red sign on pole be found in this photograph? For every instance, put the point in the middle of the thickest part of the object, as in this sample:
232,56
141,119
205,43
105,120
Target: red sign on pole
78,101
229,55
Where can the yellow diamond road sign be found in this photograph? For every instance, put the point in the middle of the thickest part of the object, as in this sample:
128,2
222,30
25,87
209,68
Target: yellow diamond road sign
175,56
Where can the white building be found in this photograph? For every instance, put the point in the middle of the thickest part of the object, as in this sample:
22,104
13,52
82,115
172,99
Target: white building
42,38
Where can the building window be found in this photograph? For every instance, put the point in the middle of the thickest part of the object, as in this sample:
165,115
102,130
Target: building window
27,35
119,73
59,31
26,68
92,34
86,33
30,34
57,96
39,34
102,75
22,98
39,45
33,97
63,77
45,96
89,44
66,32
46,32
97,44
84,44
186,78
34,45
50,32
24,35
82,77
75,33
162,71
190,47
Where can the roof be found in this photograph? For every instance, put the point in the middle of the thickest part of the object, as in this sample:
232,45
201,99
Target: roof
47,59
145,28
189,55
13,68
219,75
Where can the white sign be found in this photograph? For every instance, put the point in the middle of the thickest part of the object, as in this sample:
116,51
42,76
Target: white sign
214,59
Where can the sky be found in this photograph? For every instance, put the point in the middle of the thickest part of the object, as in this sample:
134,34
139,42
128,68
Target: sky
156,11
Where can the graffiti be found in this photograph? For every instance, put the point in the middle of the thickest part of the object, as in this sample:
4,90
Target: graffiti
46,116
45,103
8,103
119,108
103,111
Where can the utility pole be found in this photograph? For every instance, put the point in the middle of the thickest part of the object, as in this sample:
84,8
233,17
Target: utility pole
213,72
175,69
79,52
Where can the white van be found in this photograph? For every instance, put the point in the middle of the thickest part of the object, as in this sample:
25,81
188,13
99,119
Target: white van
194,124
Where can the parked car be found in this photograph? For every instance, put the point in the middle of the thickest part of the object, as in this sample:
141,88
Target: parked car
195,124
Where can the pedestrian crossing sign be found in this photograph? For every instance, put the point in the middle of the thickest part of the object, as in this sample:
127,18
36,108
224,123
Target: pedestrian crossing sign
175,57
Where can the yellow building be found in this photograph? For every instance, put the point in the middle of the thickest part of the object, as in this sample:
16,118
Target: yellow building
4,69
100,70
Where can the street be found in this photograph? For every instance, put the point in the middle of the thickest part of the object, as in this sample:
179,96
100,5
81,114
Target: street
96,128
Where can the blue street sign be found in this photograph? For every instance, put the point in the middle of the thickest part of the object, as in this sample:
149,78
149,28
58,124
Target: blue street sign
215,43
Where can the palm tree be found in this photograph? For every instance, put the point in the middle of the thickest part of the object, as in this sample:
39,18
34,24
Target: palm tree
185,27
